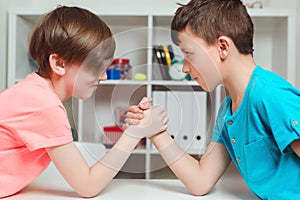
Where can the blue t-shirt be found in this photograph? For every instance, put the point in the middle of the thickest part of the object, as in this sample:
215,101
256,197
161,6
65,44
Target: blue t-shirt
258,134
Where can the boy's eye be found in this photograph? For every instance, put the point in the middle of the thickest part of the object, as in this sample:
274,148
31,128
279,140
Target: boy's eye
187,54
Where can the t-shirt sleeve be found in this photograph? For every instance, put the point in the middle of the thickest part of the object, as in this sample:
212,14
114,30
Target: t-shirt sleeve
217,137
281,113
218,127
46,127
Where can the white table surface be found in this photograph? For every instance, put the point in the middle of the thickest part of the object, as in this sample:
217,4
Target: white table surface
51,186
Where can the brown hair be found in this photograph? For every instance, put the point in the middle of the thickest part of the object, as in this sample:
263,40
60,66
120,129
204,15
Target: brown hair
210,19
74,34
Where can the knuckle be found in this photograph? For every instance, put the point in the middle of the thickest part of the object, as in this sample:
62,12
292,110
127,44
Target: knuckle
129,114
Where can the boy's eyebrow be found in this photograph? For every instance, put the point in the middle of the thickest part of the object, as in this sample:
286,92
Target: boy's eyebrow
183,49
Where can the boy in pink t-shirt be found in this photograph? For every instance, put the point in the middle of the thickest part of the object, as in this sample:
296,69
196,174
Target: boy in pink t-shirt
73,47
33,123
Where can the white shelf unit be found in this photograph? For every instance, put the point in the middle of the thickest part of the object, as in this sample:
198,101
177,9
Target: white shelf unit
135,32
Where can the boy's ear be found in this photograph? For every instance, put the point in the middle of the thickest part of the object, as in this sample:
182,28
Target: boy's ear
223,45
57,64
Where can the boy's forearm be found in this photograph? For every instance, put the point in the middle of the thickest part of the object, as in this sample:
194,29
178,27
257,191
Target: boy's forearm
184,166
127,142
116,157
162,139
167,147
112,162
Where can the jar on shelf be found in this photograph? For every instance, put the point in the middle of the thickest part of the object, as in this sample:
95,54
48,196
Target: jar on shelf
121,66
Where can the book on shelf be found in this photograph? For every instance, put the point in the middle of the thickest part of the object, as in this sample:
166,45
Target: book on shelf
156,72
167,54
160,57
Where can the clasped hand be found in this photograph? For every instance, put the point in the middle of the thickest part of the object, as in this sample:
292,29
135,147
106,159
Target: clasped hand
145,120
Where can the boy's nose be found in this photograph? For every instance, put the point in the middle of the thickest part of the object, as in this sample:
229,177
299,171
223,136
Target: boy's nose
186,66
103,76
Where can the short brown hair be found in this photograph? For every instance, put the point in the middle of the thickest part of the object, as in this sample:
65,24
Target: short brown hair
210,19
72,33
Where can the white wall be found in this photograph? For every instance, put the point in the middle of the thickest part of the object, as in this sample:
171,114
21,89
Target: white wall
4,5
292,4
93,5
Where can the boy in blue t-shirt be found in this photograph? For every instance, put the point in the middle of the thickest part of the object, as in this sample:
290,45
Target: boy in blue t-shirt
258,124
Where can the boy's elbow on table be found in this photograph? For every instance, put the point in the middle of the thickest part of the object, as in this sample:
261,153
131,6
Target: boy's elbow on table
197,190
88,189
88,193
200,192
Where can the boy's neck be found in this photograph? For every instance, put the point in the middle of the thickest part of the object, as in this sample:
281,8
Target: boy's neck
54,86
237,78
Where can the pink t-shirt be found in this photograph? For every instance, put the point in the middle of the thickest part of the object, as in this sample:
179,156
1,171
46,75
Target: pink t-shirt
32,117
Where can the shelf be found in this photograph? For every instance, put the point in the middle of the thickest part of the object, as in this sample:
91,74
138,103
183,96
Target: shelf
123,82
154,82
175,83
271,12
141,83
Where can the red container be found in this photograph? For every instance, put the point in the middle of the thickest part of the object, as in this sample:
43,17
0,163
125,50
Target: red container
111,135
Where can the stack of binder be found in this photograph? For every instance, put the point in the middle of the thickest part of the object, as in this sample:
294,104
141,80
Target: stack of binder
187,113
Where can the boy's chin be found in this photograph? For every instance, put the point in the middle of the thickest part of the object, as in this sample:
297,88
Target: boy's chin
84,96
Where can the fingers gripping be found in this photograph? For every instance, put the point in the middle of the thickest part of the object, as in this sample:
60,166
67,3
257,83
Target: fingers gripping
154,121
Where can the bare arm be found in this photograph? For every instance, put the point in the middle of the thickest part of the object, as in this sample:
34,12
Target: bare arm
86,181
89,181
198,176
296,146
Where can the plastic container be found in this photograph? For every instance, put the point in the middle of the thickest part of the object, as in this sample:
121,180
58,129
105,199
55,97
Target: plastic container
113,74
111,135
121,64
